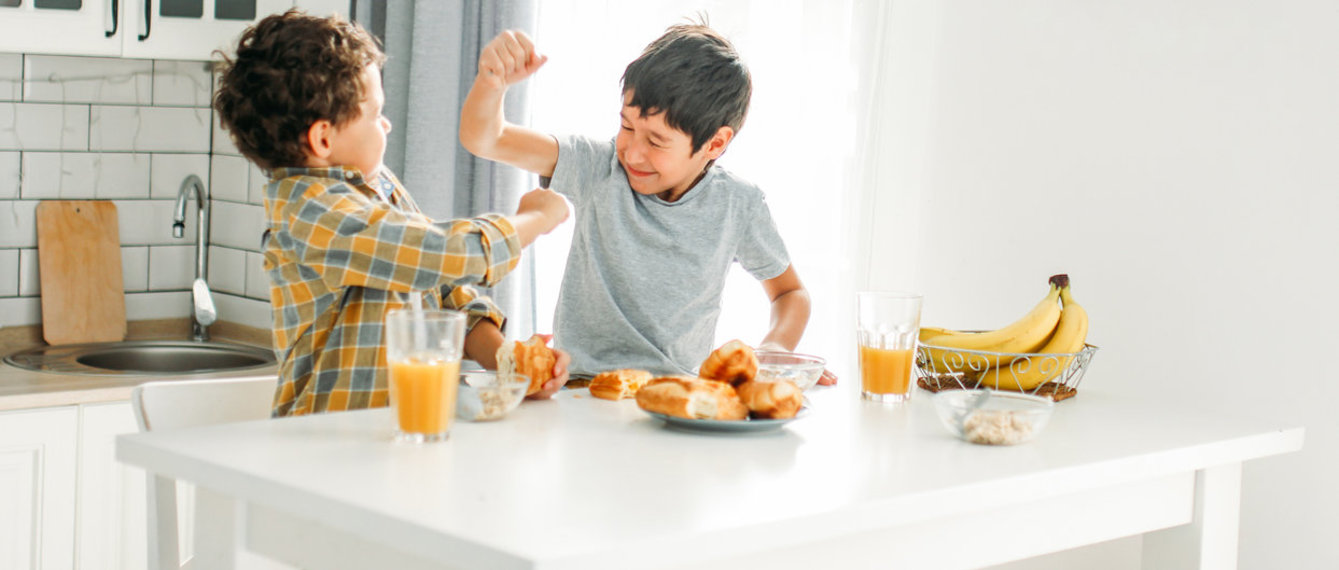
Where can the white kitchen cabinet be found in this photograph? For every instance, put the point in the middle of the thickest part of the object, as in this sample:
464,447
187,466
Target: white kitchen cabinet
38,467
110,531
150,29
83,27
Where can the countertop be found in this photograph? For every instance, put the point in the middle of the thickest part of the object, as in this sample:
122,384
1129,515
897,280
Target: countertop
23,389
579,482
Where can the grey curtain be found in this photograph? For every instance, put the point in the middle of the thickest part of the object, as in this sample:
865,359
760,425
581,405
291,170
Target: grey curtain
432,49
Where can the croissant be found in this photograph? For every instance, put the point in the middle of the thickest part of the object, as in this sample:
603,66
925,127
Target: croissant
532,358
691,398
771,400
734,362
618,384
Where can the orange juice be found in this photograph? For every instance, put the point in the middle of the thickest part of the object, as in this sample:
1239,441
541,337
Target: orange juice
885,371
424,394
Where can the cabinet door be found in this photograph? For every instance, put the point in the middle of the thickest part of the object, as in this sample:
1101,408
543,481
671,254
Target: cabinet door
67,27
110,530
37,473
189,29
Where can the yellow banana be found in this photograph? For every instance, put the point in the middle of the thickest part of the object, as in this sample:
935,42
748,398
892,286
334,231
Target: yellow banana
1070,336
1026,334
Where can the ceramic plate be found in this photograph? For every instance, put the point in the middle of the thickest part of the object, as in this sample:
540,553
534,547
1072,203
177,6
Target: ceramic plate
728,425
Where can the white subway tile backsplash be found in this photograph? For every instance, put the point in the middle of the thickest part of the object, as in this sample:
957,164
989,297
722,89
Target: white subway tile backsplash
71,175
221,141
169,170
11,76
257,280
129,131
64,79
149,222
158,305
135,268
237,225
29,284
171,267
243,311
20,311
43,126
10,174
9,272
228,178
227,270
182,83
18,223
149,129
256,185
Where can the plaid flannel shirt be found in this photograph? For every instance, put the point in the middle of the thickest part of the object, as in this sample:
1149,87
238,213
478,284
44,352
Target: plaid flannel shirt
340,254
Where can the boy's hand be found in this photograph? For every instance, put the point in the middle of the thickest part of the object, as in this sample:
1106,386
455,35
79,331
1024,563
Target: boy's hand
559,376
539,212
507,59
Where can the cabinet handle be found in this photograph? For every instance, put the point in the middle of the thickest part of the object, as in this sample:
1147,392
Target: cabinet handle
148,19
116,21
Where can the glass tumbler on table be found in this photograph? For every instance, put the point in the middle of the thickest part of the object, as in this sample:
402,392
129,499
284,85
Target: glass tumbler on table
887,325
423,353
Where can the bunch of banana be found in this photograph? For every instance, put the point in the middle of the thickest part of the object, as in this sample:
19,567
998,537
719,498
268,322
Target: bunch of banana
1046,329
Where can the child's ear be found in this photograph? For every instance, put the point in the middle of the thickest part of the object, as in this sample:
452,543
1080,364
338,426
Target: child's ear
318,139
718,142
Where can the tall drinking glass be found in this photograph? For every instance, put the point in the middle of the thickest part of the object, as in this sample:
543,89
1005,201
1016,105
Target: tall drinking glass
887,325
423,352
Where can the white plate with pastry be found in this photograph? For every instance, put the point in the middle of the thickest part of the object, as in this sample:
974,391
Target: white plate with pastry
744,425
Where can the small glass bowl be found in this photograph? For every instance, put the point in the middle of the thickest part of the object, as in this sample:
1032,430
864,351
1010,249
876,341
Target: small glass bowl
801,369
991,417
486,396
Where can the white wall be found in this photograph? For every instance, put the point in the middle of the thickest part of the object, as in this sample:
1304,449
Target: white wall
1177,160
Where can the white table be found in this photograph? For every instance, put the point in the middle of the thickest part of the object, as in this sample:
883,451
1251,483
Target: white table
579,482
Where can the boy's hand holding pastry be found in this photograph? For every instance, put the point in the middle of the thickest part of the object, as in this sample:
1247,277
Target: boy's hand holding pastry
507,59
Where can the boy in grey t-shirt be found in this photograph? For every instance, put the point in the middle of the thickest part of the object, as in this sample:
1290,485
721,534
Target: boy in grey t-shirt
658,223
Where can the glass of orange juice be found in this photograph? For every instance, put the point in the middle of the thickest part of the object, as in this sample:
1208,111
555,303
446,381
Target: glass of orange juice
887,324
423,352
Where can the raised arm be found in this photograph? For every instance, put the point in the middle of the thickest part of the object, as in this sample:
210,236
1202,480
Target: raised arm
484,131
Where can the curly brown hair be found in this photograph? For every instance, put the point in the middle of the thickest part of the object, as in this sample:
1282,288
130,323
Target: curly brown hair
291,70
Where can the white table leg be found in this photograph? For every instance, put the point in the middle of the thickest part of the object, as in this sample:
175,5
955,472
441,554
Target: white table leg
217,531
1209,542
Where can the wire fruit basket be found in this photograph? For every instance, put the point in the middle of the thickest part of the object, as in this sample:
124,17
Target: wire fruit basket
1052,375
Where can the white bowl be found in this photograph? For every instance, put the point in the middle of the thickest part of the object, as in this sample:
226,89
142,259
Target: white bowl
992,417
484,395
801,369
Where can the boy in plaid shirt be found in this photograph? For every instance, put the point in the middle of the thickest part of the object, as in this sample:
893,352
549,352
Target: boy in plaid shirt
345,243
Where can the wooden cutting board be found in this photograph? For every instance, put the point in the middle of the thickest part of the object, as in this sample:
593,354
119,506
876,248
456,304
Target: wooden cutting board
79,260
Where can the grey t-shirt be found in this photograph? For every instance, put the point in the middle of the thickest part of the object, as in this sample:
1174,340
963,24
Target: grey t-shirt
642,288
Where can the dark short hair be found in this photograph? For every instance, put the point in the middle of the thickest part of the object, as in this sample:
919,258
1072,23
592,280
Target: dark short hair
290,71
693,75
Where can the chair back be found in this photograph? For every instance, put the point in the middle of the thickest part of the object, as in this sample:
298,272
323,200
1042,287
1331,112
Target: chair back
188,403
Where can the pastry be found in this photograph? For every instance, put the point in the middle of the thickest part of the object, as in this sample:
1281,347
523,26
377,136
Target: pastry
771,400
618,384
734,362
691,398
532,358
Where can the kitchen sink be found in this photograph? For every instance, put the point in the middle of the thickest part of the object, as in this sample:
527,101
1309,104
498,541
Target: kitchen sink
142,357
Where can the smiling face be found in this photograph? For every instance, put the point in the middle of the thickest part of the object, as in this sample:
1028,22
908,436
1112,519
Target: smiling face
658,158
361,142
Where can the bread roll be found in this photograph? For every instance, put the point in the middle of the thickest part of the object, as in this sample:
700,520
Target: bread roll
691,398
532,358
618,384
733,362
776,400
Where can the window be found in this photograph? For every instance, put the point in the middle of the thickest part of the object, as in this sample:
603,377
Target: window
796,145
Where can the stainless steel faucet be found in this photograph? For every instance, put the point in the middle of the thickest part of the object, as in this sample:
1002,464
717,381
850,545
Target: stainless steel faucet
202,300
